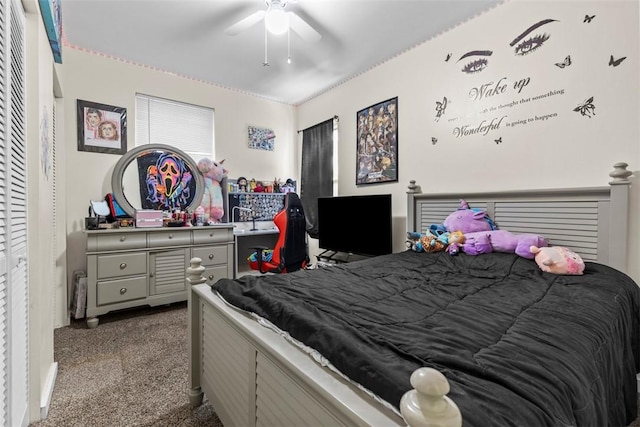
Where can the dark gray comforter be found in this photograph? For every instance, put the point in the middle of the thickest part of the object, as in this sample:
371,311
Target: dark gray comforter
519,347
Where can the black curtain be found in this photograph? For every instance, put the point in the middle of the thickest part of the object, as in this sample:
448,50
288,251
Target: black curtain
317,171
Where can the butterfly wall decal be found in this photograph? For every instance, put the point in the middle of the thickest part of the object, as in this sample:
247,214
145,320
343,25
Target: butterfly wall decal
448,57
588,18
434,140
616,62
440,108
565,63
498,141
586,108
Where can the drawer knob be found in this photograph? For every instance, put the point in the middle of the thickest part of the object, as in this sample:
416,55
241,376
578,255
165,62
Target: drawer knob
211,234
211,276
211,256
171,236
123,291
123,266
123,238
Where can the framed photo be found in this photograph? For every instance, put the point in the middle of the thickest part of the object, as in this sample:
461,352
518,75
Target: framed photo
101,128
377,146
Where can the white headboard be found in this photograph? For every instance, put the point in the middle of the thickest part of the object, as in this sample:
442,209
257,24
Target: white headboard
592,221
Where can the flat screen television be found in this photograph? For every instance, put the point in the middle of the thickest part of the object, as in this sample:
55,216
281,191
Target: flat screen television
355,224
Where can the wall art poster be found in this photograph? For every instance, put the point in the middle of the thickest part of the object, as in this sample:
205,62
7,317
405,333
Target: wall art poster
377,146
261,138
52,19
101,128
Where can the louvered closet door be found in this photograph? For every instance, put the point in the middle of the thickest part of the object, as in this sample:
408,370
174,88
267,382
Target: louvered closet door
13,273
4,282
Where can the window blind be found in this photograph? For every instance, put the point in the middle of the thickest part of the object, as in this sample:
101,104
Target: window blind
187,127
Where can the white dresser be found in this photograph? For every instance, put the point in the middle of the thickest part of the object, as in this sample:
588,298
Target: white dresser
131,267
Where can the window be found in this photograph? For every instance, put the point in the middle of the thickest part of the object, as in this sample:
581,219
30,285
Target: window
187,127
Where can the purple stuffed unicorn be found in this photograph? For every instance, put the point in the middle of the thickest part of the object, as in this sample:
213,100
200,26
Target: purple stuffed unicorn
483,242
468,220
481,235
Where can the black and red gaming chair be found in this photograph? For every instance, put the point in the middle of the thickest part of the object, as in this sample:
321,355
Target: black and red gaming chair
290,252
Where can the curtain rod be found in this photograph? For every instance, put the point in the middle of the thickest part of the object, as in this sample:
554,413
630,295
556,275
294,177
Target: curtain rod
336,118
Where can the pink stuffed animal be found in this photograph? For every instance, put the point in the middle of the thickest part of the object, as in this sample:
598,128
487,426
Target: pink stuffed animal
212,200
558,260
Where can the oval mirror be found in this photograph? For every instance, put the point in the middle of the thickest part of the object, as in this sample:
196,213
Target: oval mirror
158,177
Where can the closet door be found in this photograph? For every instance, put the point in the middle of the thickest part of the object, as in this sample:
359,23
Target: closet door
4,281
14,356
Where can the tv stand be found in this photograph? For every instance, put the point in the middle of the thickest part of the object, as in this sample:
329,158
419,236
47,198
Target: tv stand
335,257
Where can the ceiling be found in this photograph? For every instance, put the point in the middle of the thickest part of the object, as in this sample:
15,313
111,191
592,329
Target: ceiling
187,38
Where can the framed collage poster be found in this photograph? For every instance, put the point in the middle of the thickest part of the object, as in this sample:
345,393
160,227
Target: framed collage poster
101,128
261,138
377,146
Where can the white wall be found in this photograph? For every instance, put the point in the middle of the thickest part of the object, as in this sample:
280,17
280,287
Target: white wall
568,150
43,283
96,78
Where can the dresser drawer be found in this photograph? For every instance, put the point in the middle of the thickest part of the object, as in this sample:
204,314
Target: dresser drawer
117,241
119,265
213,274
121,290
169,238
212,235
211,255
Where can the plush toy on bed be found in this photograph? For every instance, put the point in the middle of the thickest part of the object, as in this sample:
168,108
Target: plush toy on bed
212,200
427,242
558,260
484,242
468,220
481,235
435,239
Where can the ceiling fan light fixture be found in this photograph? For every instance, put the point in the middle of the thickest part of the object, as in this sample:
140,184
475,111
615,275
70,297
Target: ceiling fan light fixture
276,20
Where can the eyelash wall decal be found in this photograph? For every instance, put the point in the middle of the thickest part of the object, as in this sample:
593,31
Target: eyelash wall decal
524,46
566,63
587,108
588,18
616,62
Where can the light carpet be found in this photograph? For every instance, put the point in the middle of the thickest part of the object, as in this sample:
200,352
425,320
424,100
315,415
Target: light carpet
132,370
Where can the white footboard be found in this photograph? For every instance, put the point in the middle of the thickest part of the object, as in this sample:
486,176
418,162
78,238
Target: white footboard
253,376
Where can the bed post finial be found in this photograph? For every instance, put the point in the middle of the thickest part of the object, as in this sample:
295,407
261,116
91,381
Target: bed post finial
620,174
427,405
413,187
195,272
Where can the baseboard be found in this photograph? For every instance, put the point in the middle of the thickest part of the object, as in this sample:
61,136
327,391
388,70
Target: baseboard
47,390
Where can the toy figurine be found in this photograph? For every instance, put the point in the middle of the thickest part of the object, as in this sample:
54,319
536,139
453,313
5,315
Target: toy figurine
242,183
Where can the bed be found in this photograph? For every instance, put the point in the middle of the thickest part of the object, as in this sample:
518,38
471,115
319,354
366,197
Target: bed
410,338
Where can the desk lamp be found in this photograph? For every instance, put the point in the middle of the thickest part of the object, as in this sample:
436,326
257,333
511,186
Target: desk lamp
246,210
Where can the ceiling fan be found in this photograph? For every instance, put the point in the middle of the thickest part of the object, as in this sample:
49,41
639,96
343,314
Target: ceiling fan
277,21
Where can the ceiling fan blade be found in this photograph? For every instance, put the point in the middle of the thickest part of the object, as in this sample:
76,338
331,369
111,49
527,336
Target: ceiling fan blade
245,23
304,30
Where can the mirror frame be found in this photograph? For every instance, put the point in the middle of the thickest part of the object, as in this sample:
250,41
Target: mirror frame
131,155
